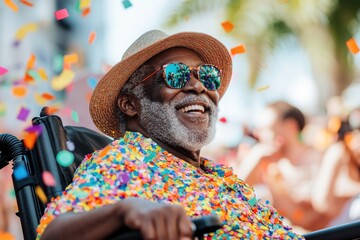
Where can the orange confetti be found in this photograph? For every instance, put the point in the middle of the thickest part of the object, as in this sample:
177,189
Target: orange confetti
6,236
104,151
238,50
92,37
40,193
352,45
51,110
88,96
19,91
30,139
26,3
31,62
48,96
28,78
42,73
85,12
11,5
228,26
71,58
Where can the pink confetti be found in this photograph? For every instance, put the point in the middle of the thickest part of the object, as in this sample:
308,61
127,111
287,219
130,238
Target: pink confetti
223,120
48,179
3,71
61,14
23,114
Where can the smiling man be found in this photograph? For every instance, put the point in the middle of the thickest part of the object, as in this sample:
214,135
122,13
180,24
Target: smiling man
160,103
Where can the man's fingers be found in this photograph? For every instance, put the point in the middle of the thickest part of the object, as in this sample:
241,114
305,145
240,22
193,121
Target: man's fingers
148,231
184,225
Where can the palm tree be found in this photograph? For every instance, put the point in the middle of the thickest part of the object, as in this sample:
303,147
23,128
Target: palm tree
321,26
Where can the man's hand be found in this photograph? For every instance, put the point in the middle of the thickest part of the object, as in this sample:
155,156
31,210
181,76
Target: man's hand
155,220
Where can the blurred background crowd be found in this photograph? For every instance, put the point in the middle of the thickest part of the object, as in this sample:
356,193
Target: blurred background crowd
289,124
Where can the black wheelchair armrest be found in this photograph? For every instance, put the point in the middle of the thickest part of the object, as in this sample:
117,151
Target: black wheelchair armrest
203,225
347,231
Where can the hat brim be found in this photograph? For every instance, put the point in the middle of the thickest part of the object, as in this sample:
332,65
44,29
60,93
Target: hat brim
103,107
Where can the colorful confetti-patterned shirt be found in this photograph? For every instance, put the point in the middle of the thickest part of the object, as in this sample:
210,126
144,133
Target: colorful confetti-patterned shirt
135,166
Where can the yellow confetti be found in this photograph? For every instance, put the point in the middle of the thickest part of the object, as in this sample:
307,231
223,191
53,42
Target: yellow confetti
24,30
63,80
2,109
40,193
39,99
262,88
85,4
11,5
42,73
71,58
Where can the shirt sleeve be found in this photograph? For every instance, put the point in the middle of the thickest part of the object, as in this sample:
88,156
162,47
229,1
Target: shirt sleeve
103,178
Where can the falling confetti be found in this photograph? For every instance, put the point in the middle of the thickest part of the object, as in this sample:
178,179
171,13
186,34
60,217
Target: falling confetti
262,88
25,30
40,100
63,80
42,74
92,82
3,71
30,139
19,91
2,109
48,179
34,74
29,4
85,12
48,96
75,116
11,5
71,58
126,3
31,62
352,45
227,26
238,50
20,172
92,37
65,158
40,193
223,120
61,14
84,4
23,114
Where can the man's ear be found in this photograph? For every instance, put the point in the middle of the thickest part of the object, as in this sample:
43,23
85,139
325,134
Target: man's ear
128,104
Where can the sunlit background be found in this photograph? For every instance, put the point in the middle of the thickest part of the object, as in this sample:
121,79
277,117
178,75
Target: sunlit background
295,50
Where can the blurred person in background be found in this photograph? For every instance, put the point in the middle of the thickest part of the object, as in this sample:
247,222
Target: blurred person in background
337,188
281,167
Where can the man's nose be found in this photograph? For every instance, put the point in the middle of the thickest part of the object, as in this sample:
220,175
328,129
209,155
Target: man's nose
195,85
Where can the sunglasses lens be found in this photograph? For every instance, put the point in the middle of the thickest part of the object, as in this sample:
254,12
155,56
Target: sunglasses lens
210,76
176,75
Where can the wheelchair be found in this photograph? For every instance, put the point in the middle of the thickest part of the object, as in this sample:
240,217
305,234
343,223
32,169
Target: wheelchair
42,157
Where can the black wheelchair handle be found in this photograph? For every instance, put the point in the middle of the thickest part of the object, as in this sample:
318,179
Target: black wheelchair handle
203,225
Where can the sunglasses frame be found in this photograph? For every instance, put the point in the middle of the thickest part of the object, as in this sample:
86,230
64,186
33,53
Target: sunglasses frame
191,71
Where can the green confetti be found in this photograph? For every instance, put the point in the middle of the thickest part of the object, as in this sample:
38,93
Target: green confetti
2,109
75,116
126,3
34,74
58,63
65,158
252,201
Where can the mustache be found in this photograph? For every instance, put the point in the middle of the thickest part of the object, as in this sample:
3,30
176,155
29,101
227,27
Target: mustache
211,106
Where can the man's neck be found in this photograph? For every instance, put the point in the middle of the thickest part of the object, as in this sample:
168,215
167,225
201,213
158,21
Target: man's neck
192,157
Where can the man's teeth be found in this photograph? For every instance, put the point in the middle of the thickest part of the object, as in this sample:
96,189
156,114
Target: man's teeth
193,108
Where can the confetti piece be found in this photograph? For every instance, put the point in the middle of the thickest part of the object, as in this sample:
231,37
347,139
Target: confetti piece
40,193
92,82
48,179
61,14
19,91
58,63
70,145
238,50
228,26
88,96
25,30
35,128
126,3
65,158
42,74
75,116
48,96
34,75
3,71
262,88
30,140
29,4
31,62
40,100
2,109
71,58
63,80
84,4
51,110
104,151
92,37
352,45
20,172
23,114
223,120
85,12
11,5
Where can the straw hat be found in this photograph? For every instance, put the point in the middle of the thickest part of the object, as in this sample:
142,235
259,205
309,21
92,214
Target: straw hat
103,101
